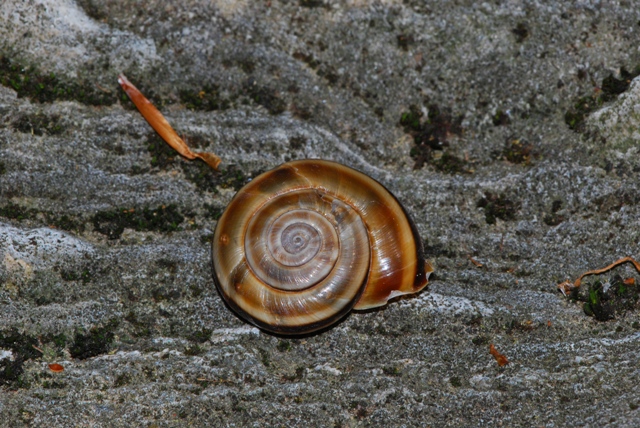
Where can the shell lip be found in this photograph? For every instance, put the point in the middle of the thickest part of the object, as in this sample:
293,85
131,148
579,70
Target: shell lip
421,282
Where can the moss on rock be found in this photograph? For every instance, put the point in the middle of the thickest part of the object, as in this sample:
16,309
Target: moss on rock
94,342
162,219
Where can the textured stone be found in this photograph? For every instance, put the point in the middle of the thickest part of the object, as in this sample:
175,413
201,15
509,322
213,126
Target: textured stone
104,254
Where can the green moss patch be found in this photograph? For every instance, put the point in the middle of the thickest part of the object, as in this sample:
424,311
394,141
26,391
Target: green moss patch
411,120
199,173
313,4
518,151
229,177
430,135
213,211
296,376
206,99
201,336
404,41
329,73
501,118
450,164
194,350
38,124
284,346
96,341
162,155
162,294
266,97
142,327
616,200
63,222
162,219
96,10
83,275
521,31
497,207
481,340
392,370
322,70
575,116
607,300
310,60
17,212
122,380
28,82
59,341
205,240
610,88
553,218
22,349
206,178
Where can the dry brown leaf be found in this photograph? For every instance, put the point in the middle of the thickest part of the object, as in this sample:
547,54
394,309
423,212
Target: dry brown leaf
475,262
161,126
56,368
501,359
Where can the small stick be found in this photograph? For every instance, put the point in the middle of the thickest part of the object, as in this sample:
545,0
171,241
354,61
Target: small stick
566,287
105,90
161,126
475,262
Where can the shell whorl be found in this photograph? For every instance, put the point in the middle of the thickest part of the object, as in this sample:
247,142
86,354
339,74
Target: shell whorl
303,244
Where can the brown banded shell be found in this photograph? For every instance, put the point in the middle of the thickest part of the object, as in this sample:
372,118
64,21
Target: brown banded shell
303,244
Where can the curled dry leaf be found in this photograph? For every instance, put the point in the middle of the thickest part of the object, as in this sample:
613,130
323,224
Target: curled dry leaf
566,287
56,368
161,126
501,359
475,262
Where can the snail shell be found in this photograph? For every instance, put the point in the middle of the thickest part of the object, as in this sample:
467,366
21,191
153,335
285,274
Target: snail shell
303,244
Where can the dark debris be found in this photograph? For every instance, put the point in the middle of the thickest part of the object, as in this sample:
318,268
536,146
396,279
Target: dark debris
497,207
430,134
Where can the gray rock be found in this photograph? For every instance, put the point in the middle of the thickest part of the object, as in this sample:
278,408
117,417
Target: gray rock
104,232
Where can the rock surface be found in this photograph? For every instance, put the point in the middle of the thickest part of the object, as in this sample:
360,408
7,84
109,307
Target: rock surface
509,131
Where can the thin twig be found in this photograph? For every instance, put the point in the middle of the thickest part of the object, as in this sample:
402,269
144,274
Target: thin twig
566,287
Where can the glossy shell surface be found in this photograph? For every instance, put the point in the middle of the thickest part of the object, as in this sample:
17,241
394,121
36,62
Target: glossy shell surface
303,244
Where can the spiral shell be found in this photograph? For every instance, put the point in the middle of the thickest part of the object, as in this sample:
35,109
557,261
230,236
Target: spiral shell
303,244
